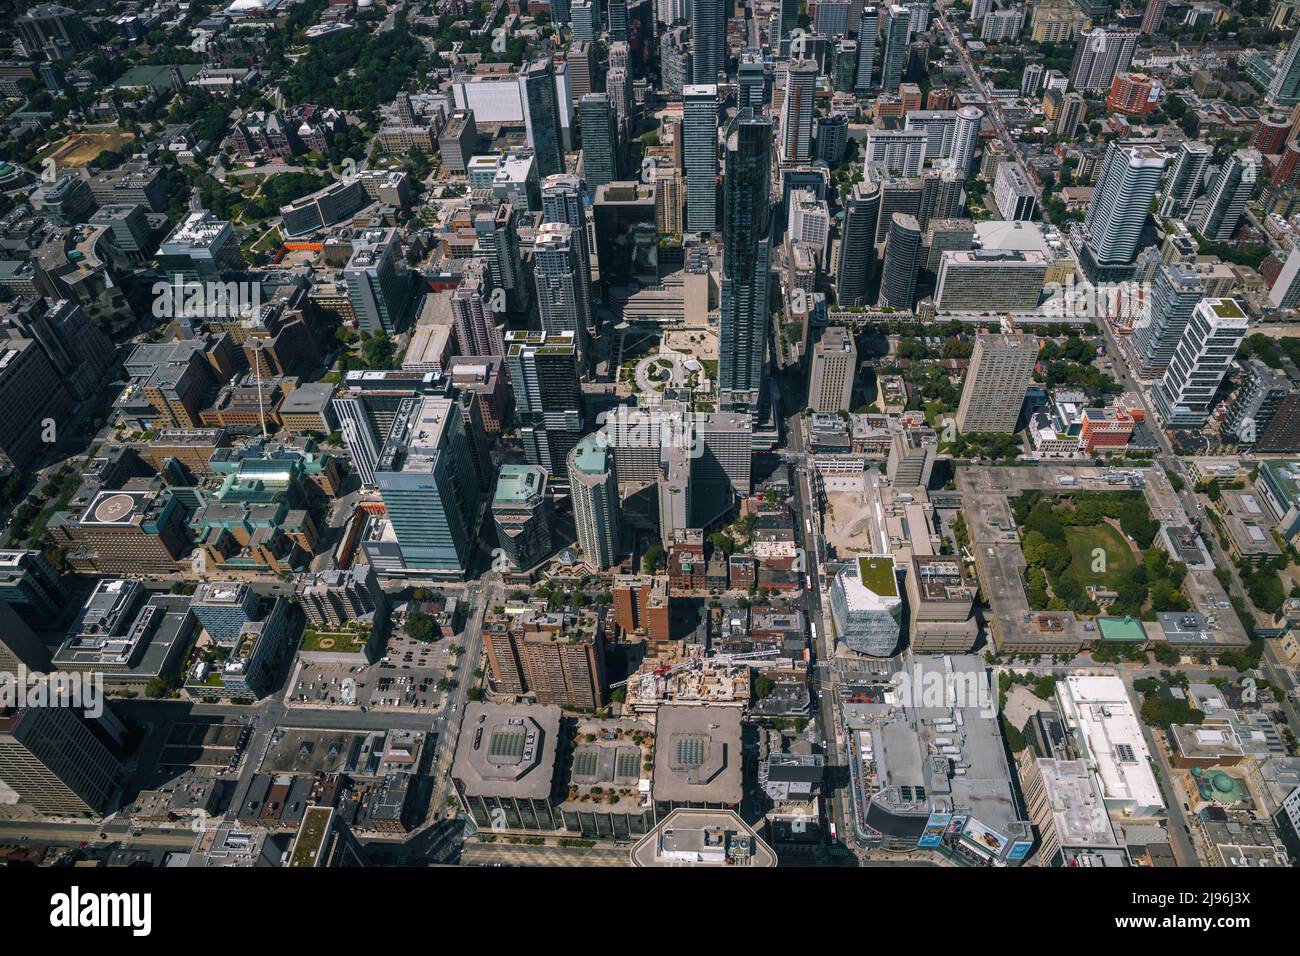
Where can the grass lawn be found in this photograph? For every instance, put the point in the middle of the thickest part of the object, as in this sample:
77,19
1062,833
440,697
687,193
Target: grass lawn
343,642
1083,540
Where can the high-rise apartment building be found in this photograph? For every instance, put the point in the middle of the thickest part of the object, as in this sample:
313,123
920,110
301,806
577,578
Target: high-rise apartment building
560,288
896,25
1185,395
1175,294
548,396
1228,193
868,40
593,487
1128,181
708,40
797,111
834,361
1001,368
901,264
857,253
1099,55
1186,178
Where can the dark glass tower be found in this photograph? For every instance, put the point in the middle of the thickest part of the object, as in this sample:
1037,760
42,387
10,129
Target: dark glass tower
542,115
746,226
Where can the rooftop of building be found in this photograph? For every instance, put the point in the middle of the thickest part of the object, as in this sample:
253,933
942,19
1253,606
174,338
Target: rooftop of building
507,750
698,754
519,484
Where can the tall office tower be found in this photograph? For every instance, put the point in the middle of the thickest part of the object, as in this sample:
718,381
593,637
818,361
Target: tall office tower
562,202
966,138
788,19
896,195
593,487
616,11
1284,88
902,263
19,645
710,479
32,394
1174,296
498,240
868,38
30,584
1204,354
1099,55
1186,178
941,194
548,396
1154,16
896,25
224,609
797,111
582,15
202,248
477,331
378,287
79,351
560,299
600,150
751,83
674,60
542,115
1228,193
700,153
831,18
844,70
1001,368
581,62
618,85
52,759
367,407
1128,181
747,232
522,515
54,30
431,491
560,11
857,257
708,41
834,361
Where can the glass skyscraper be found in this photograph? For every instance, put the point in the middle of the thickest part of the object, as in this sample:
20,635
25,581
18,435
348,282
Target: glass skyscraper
745,260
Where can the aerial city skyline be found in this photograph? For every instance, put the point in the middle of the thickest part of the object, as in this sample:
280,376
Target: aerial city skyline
645,433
